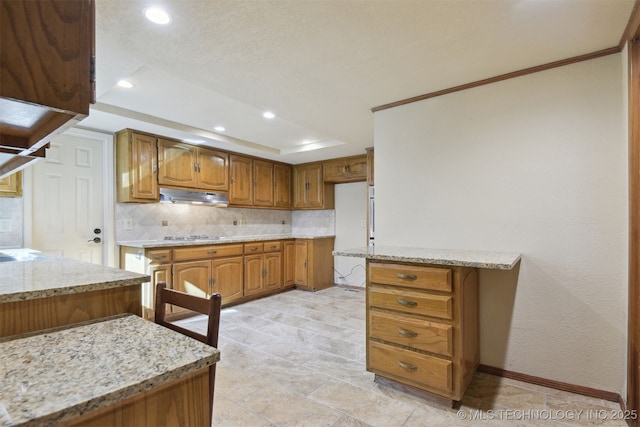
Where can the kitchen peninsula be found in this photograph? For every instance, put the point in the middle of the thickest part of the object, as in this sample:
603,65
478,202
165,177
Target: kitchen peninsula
422,316
121,370
40,291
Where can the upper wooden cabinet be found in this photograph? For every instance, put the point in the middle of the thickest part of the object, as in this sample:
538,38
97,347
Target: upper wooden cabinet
189,166
370,164
283,197
47,70
136,167
263,183
240,180
346,169
11,186
310,190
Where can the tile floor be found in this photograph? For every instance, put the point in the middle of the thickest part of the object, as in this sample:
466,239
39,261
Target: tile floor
298,359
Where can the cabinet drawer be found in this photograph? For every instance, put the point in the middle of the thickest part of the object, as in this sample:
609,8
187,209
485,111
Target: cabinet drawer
197,252
272,246
413,302
253,248
418,369
437,279
159,256
415,333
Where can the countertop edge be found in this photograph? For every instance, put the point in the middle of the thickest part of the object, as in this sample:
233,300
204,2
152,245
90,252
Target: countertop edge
145,244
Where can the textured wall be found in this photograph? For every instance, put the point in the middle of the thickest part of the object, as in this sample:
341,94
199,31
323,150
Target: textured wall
535,165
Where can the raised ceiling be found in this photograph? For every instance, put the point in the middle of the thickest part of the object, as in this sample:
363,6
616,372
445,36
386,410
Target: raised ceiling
320,66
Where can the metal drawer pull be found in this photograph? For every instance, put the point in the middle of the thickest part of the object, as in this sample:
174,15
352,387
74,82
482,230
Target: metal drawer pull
407,276
159,256
407,303
254,249
212,252
407,366
407,333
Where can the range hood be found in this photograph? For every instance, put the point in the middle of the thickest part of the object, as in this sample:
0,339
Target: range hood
193,197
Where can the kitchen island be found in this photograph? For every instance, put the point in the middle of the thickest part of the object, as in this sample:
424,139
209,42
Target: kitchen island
121,370
422,316
40,291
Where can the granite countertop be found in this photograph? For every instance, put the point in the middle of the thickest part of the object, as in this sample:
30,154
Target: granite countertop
55,376
38,275
216,241
462,258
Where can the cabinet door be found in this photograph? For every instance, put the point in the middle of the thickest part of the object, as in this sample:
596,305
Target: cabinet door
213,169
11,186
357,168
192,277
289,263
228,278
263,183
253,274
315,186
240,180
370,163
273,269
176,164
335,170
299,187
143,167
282,186
301,276
158,273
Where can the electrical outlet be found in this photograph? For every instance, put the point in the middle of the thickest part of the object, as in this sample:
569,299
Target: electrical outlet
128,224
165,223
235,222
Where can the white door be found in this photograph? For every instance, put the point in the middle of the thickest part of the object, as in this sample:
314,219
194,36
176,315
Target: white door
67,200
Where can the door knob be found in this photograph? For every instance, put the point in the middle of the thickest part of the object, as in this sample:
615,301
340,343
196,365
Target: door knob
95,240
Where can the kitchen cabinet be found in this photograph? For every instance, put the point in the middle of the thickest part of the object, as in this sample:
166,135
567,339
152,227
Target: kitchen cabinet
136,167
263,194
370,164
209,269
47,73
188,166
422,326
313,268
11,185
345,169
262,267
240,180
310,190
283,197
289,263
156,263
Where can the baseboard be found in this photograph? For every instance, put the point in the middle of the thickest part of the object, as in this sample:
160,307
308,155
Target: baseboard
558,385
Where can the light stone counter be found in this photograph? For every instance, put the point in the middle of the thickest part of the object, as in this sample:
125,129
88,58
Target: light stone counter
57,375
38,275
217,241
462,258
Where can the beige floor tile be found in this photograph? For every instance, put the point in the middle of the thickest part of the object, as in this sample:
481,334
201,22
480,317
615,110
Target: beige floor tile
366,405
347,421
230,414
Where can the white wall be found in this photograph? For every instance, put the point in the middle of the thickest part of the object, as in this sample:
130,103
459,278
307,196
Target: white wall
351,211
535,165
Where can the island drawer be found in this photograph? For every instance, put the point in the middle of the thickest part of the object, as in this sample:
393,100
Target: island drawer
253,248
272,246
415,333
413,302
159,256
211,251
432,278
417,369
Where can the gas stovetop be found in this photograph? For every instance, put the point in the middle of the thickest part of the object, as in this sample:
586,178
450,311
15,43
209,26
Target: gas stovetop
188,238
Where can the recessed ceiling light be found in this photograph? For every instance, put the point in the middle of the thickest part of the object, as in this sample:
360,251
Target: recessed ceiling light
305,142
219,128
268,115
157,15
125,84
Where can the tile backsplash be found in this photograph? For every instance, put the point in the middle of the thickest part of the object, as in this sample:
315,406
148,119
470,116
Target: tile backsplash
11,218
145,221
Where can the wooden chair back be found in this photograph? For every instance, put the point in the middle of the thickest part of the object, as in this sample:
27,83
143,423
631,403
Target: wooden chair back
209,307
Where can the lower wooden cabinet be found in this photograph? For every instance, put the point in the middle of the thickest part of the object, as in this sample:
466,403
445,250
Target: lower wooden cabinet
228,278
422,326
313,268
262,267
289,269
